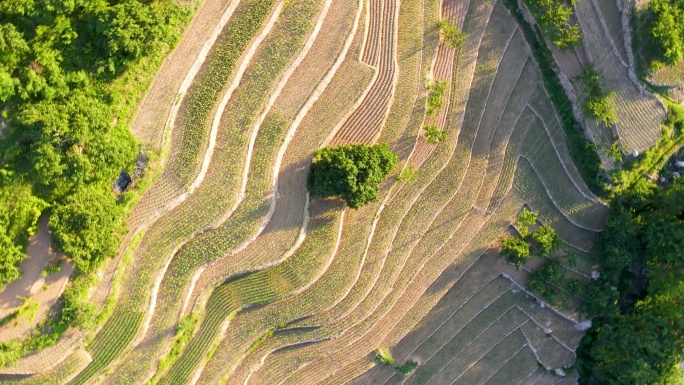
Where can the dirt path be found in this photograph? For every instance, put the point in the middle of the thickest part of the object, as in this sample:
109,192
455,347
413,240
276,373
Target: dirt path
45,290
31,268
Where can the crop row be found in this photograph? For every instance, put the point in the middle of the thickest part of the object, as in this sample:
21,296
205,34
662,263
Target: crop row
334,101
369,277
180,223
269,61
640,113
285,223
369,274
121,328
261,287
319,296
61,373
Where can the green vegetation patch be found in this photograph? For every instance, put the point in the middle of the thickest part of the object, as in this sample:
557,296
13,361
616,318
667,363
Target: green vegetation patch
600,104
353,173
636,337
554,18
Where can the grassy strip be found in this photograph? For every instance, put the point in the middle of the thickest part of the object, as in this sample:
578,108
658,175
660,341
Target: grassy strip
55,376
121,328
653,159
136,291
195,116
582,151
186,328
258,288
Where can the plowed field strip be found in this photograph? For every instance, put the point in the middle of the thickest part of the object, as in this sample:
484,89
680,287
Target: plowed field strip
515,370
266,286
365,123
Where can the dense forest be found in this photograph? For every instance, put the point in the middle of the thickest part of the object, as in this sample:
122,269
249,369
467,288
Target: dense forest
637,335
64,106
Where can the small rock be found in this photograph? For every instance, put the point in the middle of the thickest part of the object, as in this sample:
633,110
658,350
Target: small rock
635,153
676,175
679,164
560,372
662,179
595,274
542,305
583,325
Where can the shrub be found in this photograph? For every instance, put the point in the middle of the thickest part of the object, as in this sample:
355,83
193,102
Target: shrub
383,356
450,34
408,174
600,104
516,249
353,173
434,100
547,239
434,135
667,30
525,219
554,17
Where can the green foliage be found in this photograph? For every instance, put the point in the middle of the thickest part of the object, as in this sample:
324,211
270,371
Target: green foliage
28,309
436,90
408,174
636,334
85,227
186,327
525,219
353,173
666,30
19,212
384,356
9,353
599,104
614,151
547,239
582,151
450,34
434,135
407,368
554,17
547,280
516,249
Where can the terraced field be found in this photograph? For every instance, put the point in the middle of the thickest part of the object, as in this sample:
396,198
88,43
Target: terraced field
285,288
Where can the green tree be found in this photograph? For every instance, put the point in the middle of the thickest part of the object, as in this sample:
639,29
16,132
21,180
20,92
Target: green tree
525,219
516,249
353,173
450,34
547,239
434,135
86,227
667,31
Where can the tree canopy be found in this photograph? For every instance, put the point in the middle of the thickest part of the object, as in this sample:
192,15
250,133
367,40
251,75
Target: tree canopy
353,173
67,138
636,336
667,29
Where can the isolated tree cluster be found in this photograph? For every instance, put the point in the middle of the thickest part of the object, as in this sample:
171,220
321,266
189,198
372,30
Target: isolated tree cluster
554,18
518,249
353,173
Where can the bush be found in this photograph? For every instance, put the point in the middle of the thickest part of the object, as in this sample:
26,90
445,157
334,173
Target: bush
525,219
516,249
554,17
408,174
547,239
667,30
450,34
86,227
434,135
434,100
600,104
353,173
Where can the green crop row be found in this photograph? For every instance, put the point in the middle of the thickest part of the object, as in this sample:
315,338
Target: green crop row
121,328
269,61
196,110
258,288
